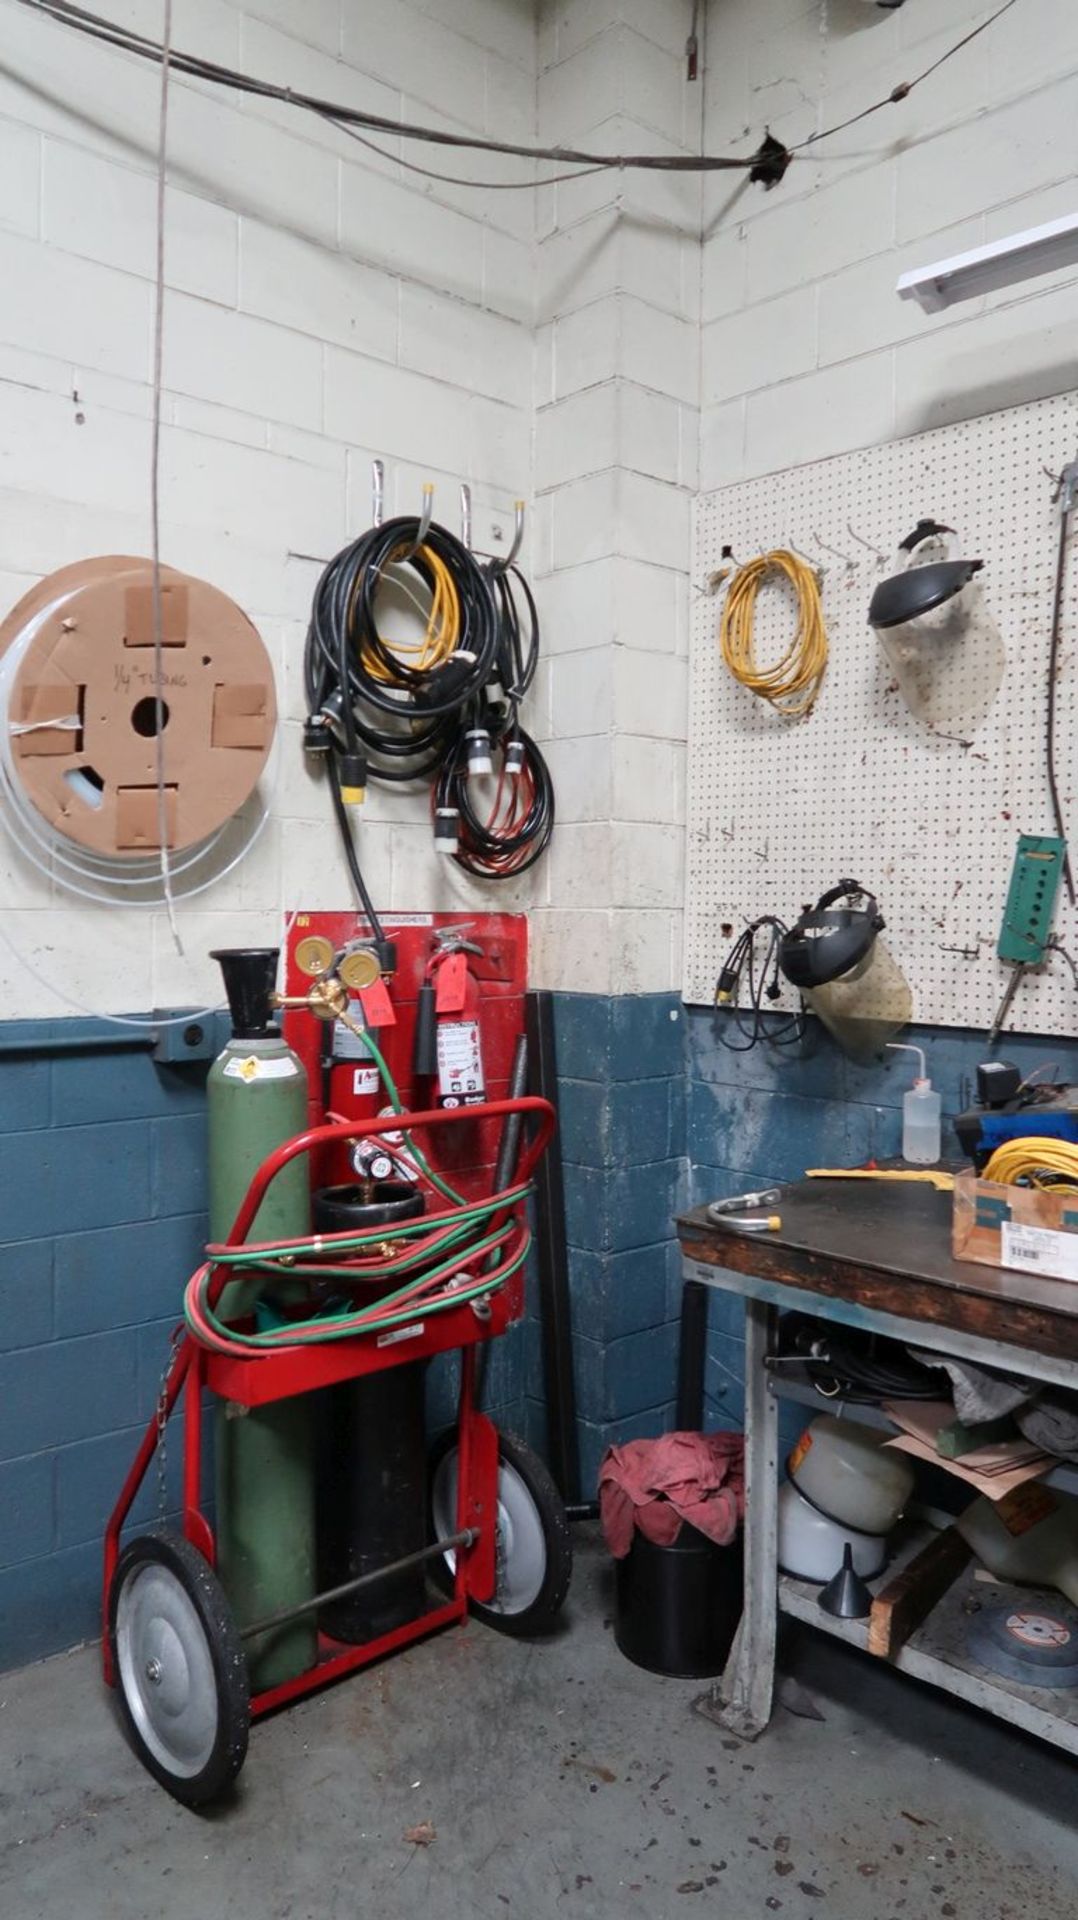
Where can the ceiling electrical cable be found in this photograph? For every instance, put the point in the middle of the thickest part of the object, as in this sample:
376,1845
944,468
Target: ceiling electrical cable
904,88
97,27
793,684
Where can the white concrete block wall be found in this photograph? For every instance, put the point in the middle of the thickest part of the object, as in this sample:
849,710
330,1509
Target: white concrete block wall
806,349
324,306
616,449
601,346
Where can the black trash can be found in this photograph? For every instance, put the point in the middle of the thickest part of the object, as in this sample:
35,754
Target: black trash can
678,1607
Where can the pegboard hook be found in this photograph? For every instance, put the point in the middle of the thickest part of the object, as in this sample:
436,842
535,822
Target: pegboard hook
848,563
423,528
862,542
818,569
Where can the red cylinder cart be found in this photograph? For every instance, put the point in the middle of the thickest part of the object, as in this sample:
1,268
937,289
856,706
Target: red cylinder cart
170,1641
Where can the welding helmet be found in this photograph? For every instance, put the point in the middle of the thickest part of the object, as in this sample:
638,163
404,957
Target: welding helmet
840,966
936,631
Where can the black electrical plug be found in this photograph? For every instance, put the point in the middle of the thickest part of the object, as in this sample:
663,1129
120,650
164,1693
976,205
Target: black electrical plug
724,992
386,951
352,773
443,683
317,738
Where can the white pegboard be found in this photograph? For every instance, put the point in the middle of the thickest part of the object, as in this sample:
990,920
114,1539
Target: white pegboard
779,810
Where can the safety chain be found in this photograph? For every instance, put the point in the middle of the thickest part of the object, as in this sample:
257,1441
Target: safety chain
161,1416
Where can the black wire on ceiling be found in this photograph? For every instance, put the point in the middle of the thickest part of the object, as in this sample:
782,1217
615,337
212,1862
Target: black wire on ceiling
347,119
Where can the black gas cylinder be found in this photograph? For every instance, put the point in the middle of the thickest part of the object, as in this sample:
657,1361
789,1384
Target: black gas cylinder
371,1453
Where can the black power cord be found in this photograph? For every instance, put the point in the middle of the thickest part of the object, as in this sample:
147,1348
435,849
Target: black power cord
392,719
444,707
1066,483
749,976
514,830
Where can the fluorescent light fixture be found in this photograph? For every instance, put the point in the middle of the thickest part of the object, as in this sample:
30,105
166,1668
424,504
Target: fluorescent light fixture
1003,263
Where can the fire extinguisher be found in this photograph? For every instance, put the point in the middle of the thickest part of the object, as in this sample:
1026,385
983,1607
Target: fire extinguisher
448,1045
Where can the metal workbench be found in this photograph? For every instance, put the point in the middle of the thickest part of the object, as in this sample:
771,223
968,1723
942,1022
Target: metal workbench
878,1258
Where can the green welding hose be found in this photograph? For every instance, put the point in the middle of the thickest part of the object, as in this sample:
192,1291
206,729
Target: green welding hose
285,1250
343,1326
277,1258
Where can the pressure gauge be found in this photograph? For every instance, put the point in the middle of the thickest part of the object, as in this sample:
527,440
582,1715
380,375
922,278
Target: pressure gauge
359,968
314,955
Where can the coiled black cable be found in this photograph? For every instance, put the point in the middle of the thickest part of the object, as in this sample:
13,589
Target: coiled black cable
517,826
441,707
750,974
398,719
518,650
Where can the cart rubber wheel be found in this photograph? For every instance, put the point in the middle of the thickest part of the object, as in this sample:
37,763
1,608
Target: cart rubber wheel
179,1662
534,1550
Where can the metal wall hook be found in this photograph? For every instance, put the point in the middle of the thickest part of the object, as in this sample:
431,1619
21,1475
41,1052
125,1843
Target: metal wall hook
425,518
466,515
862,542
503,566
378,492
817,568
847,562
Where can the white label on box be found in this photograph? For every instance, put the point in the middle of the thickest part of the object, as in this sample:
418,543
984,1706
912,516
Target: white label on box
1040,1250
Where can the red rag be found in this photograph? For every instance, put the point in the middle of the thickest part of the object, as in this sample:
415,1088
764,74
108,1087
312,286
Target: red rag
657,1484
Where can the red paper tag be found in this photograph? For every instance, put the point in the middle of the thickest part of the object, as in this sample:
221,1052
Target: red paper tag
451,985
377,1005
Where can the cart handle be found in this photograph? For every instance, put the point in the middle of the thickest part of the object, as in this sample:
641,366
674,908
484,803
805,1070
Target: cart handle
339,1130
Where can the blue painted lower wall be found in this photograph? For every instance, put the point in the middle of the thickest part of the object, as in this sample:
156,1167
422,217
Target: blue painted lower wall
102,1198
765,1116
621,1094
102,1219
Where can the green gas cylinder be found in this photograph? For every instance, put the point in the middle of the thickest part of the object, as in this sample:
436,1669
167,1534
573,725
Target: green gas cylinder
257,1097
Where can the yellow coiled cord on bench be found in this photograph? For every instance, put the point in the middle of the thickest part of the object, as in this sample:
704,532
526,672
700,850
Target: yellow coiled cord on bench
1036,1160
792,685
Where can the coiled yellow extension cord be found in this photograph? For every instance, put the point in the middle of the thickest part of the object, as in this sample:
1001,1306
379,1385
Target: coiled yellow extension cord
1030,1159
442,634
792,685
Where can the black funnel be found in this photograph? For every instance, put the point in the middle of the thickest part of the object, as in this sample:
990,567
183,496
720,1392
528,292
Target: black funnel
250,977
846,1596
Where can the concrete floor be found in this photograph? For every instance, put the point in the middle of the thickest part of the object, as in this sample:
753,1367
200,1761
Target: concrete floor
559,1780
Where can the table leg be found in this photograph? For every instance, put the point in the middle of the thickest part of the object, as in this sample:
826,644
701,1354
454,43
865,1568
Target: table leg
743,1698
